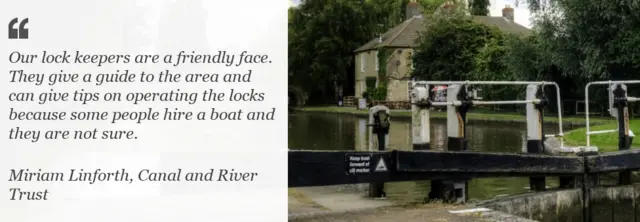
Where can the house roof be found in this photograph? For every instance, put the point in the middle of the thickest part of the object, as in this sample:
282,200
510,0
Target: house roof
503,24
405,34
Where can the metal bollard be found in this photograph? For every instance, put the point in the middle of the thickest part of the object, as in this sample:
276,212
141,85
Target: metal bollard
535,133
624,140
454,191
420,123
379,121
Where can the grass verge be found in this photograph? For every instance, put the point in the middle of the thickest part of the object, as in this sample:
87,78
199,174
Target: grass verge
604,142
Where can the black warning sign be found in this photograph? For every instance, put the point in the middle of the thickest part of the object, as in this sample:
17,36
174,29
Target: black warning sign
358,163
365,163
381,166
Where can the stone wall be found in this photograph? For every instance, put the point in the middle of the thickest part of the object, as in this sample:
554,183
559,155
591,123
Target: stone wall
399,70
606,204
565,205
619,204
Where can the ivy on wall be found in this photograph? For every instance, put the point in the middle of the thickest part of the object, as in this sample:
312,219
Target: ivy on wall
380,92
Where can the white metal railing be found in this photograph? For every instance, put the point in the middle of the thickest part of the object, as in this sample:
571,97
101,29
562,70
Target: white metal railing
486,83
586,107
541,83
602,131
479,102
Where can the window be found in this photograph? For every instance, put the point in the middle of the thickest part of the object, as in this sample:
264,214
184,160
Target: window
362,62
377,61
371,82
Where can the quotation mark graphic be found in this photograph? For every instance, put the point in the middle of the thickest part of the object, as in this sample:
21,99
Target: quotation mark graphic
21,32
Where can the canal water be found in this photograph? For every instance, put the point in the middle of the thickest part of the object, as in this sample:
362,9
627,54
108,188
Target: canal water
311,131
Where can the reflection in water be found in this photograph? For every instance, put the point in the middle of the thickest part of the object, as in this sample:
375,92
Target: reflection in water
338,132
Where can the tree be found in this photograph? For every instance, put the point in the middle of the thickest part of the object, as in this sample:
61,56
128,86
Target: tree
389,13
448,47
590,40
324,33
492,63
479,7
516,58
322,36
431,6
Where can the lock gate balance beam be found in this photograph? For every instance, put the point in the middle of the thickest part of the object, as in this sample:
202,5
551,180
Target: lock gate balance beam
379,121
322,168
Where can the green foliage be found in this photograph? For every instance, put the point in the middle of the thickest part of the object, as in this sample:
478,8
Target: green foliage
579,41
489,61
574,41
606,142
431,6
386,14
511,58
383,56
454,47
490,65
479,7
448,47
524,59
370,82
365,95
592,40
324,33
322,37
380,92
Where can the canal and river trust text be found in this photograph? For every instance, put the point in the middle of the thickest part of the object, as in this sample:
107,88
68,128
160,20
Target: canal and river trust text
95,176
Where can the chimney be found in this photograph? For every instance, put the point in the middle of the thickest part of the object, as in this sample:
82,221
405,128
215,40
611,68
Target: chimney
507,12
412,9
